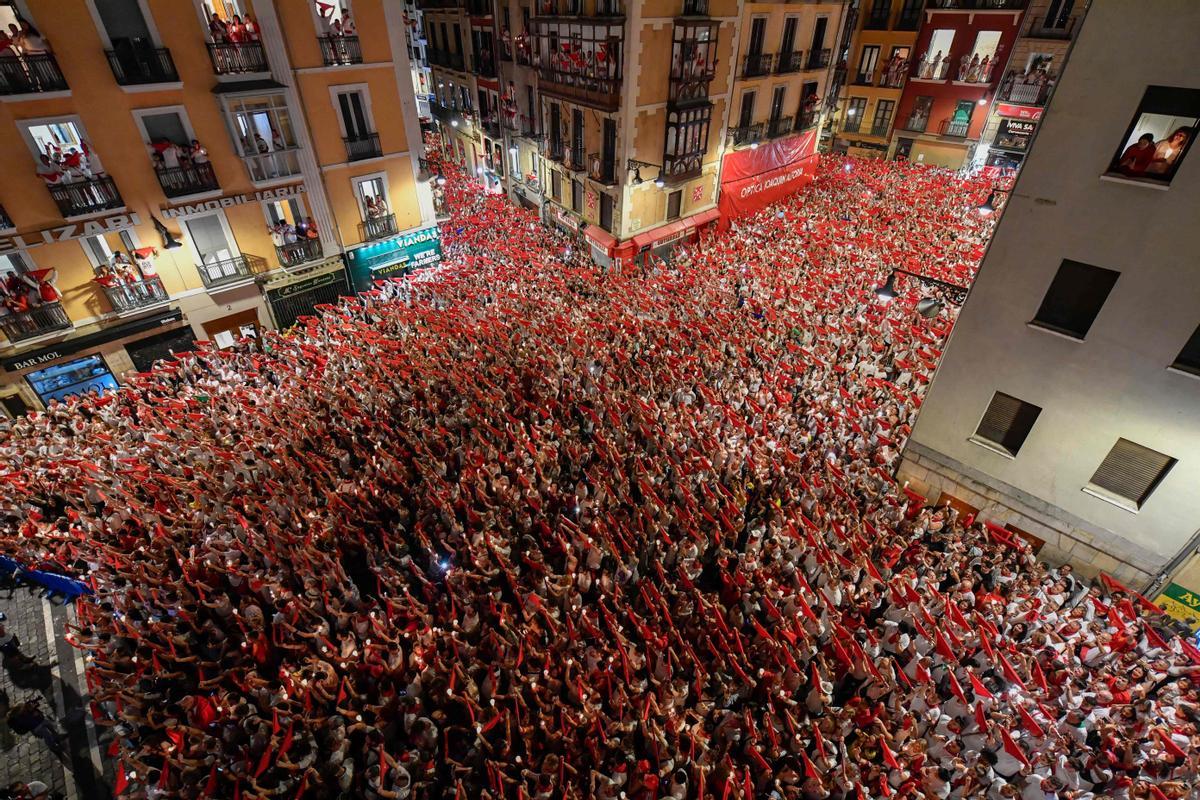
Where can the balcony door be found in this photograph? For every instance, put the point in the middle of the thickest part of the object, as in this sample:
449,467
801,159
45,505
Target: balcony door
818,40
211,238
166,126
758,31
746,117
352,111
867,63
777,103
555,131
125,26
609,150
788,43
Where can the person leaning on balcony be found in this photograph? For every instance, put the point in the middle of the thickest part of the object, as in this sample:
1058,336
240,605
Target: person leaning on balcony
48,171
237,31
30,40
197,152
218,31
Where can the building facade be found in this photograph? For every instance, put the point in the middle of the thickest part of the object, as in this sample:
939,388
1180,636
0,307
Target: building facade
957,65
187,170
614,118
1066,408
876,71
1037,60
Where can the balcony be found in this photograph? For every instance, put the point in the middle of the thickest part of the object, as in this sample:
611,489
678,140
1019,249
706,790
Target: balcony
576,8
780,126
1062,30
46,318
806,120
31,74
276,164
555,151
338,51
957,129
365,145
917,123
744,135
241,58
790,62
86,196
682,166
601,93
758,64
977,5
877,21
445,58
852,123
602,170
896,81
128,297
216,274
574,158
695,8
479,8
690,85
818,59
377,228
297,253
909,19
864,79
136,66
1036,92
881,130
182,181
485,66
491,126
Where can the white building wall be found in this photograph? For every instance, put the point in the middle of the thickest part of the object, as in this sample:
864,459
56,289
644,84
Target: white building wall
1115,384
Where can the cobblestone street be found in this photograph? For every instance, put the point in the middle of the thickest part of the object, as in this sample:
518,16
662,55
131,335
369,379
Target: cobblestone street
55,679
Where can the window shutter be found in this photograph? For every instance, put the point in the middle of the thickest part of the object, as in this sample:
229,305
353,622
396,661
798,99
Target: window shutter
1132,471
1007,422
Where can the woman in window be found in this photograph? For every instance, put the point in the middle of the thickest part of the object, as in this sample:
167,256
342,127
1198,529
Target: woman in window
1167,151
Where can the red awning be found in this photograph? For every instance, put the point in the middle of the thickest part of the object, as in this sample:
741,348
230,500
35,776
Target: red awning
601,237
652,237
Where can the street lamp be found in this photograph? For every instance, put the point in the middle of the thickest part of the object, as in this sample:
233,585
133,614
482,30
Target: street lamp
927,307
636,166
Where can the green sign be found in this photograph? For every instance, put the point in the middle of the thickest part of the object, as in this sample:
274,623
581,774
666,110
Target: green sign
1180,602
396,256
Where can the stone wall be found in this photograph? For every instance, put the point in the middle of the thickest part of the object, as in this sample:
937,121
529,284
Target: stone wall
1087,548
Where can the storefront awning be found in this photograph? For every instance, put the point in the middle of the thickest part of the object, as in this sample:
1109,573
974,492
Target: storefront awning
600,237
652,237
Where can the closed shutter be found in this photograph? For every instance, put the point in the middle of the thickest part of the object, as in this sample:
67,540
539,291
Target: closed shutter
1189,357
1007,422
1132,471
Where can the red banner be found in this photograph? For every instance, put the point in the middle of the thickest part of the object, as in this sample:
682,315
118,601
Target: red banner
751,180
1018,112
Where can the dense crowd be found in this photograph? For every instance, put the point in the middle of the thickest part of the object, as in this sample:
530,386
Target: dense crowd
527,528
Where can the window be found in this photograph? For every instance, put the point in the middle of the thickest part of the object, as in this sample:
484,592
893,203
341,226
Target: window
333,16
788,43
918,118
883,117
777,102
284,212
935,64
87,376
1075,297
100,249
577,196
263,136
1188,359
354,114
687,141
1129,474
674,204
746,117
556,184
758,31
372,195
1006,423
867,64
606,212
854,114
210,238
124,25
1159,136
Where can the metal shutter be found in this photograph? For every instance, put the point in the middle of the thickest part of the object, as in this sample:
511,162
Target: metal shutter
1132,471
1007,421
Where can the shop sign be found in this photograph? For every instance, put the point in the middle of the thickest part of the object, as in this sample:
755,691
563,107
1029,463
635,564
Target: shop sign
1013,134
1019,112
565,218
1181,603
102,336
306,285
66,233
171,212
408,251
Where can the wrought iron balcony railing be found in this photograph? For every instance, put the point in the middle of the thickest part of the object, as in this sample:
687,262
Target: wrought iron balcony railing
340,50
237,58
301,252
135,66
222,272
950,128
758,64
745,134
46,318
276,164
30,74
132,296
779,127
806,120
602,170
76,198
690,85
377,228
790,62
181,181
365,145
818,59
